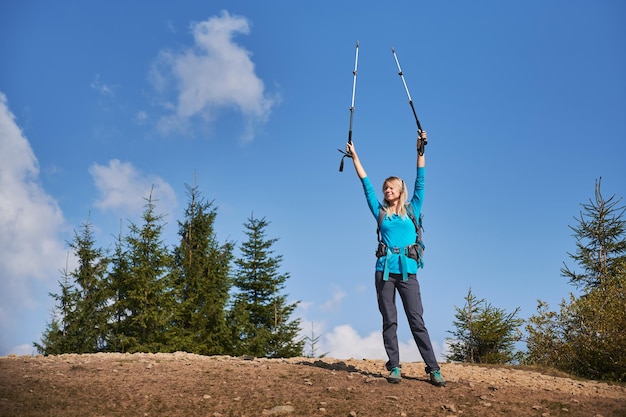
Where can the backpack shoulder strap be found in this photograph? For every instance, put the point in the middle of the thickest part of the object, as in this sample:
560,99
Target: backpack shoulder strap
381,216
419,227
411,214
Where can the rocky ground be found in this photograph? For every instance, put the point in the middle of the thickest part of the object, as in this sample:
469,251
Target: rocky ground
182,384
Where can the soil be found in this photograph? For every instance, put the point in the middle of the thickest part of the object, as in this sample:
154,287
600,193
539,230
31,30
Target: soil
182,384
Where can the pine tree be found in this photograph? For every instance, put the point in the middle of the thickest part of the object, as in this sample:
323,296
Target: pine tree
119,283
54,340
202,281
586,337
484,334
82,327
545,340
600,243
149,302
313,342
260,315
89,318
594,331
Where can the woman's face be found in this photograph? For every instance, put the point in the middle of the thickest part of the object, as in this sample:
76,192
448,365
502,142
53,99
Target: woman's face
392,193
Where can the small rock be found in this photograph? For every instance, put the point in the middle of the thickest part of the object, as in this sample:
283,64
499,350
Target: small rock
279,409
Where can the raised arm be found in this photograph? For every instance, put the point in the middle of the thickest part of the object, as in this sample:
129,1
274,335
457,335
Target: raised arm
360,171
421,160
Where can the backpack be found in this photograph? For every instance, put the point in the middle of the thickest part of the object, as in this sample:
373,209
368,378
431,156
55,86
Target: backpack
414,251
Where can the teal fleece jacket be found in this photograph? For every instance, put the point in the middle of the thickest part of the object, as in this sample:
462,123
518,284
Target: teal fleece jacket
396,231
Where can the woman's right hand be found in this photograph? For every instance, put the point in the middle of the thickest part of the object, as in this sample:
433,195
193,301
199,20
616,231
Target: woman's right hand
422,137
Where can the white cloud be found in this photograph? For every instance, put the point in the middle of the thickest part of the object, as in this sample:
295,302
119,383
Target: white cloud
123,188
24,350
170,26
141,117
100,87
305,306
345,343
214,74
335,302
31,250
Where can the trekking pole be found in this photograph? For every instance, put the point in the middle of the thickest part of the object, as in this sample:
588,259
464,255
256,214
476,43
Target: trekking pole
356,61
422,142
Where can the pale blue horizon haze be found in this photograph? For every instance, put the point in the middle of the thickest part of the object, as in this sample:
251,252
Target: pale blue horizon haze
524,104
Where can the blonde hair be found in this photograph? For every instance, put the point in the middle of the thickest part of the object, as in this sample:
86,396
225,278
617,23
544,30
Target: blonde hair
399,184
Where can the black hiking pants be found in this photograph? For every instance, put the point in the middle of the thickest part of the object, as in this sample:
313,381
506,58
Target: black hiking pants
412,301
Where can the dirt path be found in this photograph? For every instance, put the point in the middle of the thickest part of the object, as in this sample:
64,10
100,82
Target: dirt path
182,384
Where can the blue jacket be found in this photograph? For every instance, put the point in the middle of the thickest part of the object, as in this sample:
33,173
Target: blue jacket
395,231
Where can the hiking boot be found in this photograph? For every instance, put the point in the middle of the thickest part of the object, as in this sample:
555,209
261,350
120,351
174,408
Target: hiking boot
436,379
395,375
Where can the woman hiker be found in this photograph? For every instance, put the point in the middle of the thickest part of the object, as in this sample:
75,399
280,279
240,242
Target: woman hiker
394,269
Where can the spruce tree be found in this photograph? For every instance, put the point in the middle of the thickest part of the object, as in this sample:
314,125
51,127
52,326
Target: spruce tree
149,302
202,281
89,319
260,314
545,340
82,327
55,340
600,243
484,334
119,284
586,337
594,331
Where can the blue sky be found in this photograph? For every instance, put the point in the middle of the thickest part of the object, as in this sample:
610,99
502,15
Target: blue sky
524,104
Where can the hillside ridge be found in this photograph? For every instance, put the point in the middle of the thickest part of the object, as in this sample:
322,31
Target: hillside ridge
184,384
